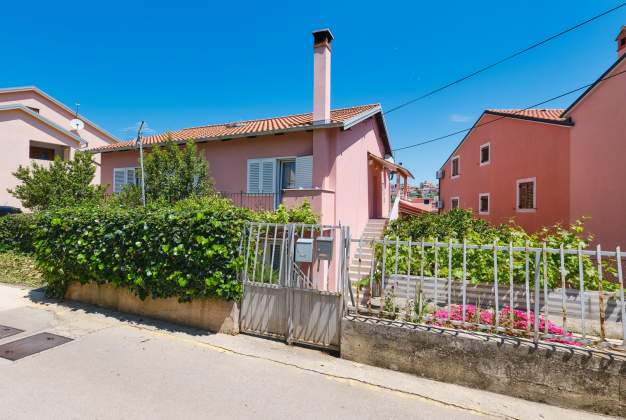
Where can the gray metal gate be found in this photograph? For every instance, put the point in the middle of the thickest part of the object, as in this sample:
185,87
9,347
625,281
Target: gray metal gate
294,276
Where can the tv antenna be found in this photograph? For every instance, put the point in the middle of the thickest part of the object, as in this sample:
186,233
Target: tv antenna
76,123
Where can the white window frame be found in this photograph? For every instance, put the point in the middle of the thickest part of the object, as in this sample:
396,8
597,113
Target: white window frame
458,203
480,196
452,176
125,169
517,197
480,156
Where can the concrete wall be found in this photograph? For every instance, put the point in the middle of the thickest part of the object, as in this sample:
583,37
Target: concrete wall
211,314
519,149
598,173
557,377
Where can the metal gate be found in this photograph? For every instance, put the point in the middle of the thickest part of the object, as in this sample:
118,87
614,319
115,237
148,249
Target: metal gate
294,276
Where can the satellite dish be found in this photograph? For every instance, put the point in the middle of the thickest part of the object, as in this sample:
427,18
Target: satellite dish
77,124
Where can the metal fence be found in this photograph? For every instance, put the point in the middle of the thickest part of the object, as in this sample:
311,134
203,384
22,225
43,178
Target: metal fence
540,293
252,201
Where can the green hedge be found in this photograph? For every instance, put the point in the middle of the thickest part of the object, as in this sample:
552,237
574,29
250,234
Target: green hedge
188,250
458,225
16,233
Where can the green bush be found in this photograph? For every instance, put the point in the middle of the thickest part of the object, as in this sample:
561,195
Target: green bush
19,269
16,233
188,250
458,225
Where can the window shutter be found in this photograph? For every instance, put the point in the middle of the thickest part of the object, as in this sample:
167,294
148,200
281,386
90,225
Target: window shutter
304,172
119,178
254,175
268,168
130,176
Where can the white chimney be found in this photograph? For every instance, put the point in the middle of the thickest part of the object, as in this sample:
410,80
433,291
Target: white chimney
321,76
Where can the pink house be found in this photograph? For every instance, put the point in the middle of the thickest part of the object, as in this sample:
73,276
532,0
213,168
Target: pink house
35,127
339,160
547,166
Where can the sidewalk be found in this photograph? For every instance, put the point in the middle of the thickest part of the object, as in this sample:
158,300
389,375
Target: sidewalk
120,366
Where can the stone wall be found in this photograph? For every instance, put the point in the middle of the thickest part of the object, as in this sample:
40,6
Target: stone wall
215,315
549,374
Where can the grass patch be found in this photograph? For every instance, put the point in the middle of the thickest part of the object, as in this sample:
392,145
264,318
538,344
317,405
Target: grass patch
19,269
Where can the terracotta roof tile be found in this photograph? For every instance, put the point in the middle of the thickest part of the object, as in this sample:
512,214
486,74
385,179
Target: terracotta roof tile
243,128
540,114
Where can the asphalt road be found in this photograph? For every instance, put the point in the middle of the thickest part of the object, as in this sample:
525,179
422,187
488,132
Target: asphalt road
119,367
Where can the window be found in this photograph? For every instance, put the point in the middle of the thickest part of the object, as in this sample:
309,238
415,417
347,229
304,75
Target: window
485,154
124,176
41,153
526,195
261,176
456,167
454,203
426,201
266,175
483,203
287,174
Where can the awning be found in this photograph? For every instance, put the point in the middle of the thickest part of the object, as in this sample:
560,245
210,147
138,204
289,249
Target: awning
393,167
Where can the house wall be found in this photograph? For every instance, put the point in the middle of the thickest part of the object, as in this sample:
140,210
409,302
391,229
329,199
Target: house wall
598,172
17,129
519,149
59,116
352,180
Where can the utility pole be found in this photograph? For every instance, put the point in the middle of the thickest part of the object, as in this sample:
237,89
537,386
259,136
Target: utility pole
139,142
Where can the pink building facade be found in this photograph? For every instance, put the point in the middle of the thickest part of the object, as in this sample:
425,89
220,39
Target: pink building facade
34,127
324,157
541,167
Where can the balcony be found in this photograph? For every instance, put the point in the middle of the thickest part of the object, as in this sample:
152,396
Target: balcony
252,201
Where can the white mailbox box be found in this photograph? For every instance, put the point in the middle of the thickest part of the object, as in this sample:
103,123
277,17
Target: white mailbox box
304,250
324,248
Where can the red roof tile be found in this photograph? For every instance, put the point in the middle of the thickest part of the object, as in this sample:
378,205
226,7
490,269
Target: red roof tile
539,114
243,128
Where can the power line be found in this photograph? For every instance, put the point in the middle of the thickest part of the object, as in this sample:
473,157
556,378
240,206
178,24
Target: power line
465,130
507,58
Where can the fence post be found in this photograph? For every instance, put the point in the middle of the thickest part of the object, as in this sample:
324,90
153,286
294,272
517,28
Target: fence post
563,284
464,286
537,276
601,308
618,256
495,283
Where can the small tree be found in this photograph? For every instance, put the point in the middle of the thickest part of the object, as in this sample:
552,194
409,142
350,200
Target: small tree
62,183
174,173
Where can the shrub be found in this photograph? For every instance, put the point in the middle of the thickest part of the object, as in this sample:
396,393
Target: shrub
188,250
62,183
458,225
18,268
16,233
174,173
301,214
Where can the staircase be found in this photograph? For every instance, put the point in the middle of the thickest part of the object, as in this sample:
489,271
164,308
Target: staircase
361,263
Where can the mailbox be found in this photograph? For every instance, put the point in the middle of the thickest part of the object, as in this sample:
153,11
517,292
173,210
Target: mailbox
304,250
324,248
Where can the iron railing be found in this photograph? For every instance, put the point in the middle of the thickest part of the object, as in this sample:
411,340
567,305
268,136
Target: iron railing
540,293
252,201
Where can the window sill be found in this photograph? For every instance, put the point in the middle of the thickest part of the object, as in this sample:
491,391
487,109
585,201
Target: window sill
485,163
525,210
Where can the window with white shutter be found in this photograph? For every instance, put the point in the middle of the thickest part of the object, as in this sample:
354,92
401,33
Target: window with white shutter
304,172
261,176
124,176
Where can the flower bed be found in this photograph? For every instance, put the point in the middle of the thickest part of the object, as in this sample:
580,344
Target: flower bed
520,324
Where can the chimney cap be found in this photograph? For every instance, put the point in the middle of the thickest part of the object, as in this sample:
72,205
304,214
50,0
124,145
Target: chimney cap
322,36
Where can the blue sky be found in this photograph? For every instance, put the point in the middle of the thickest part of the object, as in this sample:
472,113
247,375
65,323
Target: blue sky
205,62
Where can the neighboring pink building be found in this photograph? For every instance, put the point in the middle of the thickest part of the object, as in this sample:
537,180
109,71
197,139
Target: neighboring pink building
547,166
339,160
34,127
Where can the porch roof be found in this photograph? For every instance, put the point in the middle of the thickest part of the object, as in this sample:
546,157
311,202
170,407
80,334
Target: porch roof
393,167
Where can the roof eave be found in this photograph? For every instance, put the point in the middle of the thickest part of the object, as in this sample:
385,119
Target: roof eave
46,121
373,112
228,137
565,122
62,105
569,109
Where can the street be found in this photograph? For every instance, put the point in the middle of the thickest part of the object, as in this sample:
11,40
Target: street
119,366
